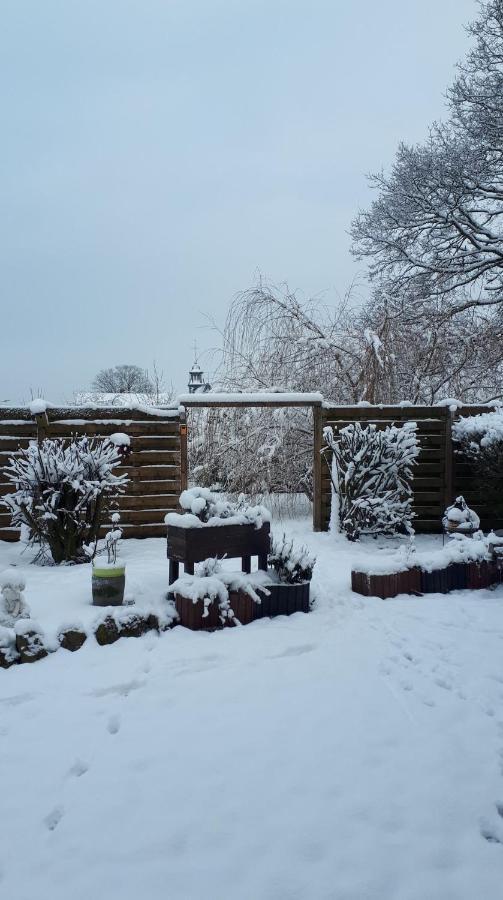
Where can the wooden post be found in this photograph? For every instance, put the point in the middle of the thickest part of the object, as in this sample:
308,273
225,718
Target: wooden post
42,423
317,488
448,487
183,454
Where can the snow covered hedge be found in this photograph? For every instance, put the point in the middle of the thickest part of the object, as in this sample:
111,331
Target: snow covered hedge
60,493
479,439
371,472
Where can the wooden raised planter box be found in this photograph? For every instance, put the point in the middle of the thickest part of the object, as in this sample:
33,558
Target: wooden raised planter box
192,545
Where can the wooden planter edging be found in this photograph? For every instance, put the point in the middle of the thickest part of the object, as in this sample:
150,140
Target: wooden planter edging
190,614
192,545
386,586
282,600
456,576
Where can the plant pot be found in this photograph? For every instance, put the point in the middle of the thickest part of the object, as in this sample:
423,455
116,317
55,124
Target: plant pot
283,600
455,528
191,616
244,607
108,585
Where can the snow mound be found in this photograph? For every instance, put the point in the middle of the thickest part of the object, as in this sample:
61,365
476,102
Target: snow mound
37,407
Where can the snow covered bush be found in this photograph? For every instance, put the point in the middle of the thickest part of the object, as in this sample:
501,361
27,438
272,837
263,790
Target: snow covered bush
204,507
371,472
293,565
479,439
60,493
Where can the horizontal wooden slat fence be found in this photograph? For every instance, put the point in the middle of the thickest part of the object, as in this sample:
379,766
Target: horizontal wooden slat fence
157,465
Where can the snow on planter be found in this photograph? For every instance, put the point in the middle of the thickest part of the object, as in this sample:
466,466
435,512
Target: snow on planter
439,571
205,508
202,602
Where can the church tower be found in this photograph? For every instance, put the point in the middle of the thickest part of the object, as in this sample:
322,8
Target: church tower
197,384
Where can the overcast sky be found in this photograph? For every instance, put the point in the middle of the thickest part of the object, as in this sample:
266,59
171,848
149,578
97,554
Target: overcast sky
157,153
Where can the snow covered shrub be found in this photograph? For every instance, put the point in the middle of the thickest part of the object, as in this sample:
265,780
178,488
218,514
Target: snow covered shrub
371,477
61,489
479,439
210,508
293,565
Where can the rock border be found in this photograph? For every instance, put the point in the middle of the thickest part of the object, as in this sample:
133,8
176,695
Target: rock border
28,644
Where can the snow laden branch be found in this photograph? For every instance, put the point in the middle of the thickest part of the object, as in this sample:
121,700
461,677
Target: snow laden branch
435,230
371,473
60,493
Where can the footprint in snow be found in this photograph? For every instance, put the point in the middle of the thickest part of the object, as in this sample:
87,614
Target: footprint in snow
295,651
78,769
114,724
441,682
493,831
53,819
122,690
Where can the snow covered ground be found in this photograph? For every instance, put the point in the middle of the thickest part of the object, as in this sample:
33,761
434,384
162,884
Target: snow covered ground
352,754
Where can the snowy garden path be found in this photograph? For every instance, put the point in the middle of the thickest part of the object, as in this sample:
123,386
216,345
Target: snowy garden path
350,754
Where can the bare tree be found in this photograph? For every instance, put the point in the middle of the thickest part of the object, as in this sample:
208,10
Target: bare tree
435,230
378,352
123,379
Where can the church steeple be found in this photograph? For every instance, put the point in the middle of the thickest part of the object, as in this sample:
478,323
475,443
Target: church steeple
196,376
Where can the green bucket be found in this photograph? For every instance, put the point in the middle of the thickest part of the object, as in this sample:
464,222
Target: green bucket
108,586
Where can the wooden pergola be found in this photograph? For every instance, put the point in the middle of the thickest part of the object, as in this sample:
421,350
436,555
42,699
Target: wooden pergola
269,400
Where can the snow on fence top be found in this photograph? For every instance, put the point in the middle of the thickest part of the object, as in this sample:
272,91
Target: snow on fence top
37,407
258,398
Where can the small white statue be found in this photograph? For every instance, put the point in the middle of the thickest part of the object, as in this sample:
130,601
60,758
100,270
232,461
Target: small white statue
13,606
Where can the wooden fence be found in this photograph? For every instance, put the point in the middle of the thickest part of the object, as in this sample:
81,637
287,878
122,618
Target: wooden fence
440,474
157,466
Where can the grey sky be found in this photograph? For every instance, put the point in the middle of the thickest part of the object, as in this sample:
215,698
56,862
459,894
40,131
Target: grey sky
156,154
